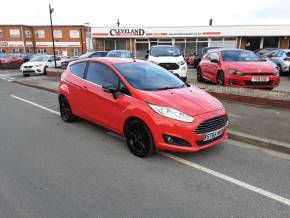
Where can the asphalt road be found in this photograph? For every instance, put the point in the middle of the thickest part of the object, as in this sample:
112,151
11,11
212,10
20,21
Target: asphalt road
49,168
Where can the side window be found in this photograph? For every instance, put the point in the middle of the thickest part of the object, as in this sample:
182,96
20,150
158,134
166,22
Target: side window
78,69
58,58
102,75
213,56
275,54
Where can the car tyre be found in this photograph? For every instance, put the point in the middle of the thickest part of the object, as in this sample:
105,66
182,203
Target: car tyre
139,138
199,76
220,79
45,70
66,111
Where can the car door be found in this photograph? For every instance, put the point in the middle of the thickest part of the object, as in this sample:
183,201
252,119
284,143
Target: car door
213,66
205,64
58,61
101,106
75,83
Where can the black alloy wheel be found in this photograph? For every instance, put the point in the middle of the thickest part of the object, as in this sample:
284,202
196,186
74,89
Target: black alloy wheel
199,76
139,139
220,80
65,110
45,70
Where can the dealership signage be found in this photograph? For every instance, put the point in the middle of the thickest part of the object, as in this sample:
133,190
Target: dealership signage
11,44
127,32
58,44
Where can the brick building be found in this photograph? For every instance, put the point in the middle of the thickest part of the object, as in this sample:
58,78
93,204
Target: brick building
69,40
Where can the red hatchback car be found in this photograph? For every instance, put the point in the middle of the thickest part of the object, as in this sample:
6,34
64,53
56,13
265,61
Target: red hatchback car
145,103
237,67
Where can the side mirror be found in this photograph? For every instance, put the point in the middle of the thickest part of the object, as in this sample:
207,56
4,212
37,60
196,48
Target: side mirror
112,90
216,61
146,57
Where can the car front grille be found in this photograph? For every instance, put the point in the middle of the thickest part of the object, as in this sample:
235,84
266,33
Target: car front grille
169,66
250,83
27,66
259,74
212,125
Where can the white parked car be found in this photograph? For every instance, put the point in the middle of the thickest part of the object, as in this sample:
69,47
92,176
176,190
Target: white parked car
39,64
170,58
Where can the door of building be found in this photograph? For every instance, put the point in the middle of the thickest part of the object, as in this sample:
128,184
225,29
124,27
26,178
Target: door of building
64,52
253,43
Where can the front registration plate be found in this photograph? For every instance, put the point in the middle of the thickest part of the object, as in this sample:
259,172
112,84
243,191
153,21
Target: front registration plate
213,134
260,79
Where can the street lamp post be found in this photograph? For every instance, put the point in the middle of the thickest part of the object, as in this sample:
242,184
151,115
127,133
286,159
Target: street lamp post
52,36
88,36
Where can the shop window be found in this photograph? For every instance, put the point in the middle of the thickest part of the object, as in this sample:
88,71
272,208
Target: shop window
109,44
28,34
14,33
271,42
29,50
190,48
74,34
181,47
179,40
57,34
1,34
152,44
201,45
39,34
216,39
121,44
16,51
202,39
2,50
141,49
141,40
98,44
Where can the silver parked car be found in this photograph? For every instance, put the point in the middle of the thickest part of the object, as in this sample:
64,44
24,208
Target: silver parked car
281,57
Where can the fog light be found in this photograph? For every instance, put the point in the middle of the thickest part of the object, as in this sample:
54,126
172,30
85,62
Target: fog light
175,141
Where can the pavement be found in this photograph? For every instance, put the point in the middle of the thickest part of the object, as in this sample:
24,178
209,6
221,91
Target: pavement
49,168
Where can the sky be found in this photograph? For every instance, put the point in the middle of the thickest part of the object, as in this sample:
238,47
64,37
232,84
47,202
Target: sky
142,13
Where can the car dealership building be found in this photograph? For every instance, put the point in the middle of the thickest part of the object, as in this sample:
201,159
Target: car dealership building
190,38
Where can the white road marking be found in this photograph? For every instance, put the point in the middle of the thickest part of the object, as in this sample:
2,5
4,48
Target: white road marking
194,165
35,104
6,79
228,179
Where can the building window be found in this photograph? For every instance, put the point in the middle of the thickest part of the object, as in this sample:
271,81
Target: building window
14,33
271,42
121,44
16,51
28,34
74,34
109,44
39,34
29,50
1,50
57,34
41,51
75,52
1,34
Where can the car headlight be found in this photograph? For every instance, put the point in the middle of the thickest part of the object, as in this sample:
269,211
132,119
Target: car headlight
235,72
276,72
172,113
38,65
181,63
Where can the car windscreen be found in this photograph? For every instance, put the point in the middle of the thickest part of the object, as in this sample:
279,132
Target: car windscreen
86,55
164,51
149,77
39,59
240,56
119,54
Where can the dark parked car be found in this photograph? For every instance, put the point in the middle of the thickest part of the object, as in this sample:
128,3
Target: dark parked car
263,51
281,57
119,54
200,53
91,54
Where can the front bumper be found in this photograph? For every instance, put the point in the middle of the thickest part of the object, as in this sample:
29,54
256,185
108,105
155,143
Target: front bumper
185,131
246,81
181,71
31,70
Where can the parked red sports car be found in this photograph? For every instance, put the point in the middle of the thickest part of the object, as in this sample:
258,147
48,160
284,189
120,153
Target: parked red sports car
10,58
144,102
237,67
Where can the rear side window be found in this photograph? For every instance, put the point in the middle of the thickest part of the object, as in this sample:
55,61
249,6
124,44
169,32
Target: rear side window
102,75
78,69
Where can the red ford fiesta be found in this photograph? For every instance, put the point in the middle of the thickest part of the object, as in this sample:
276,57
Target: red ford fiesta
237,67
145,103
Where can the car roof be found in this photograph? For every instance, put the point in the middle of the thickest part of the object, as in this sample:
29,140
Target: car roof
110,60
